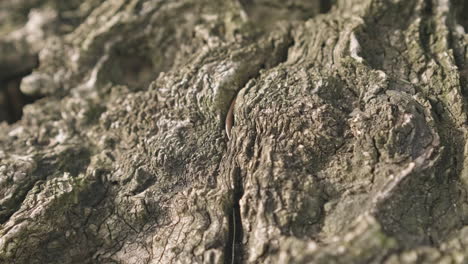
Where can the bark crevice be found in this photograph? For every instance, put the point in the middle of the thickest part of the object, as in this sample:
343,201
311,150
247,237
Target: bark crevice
349,137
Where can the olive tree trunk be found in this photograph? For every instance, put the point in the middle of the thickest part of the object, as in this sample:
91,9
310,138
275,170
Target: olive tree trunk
234,131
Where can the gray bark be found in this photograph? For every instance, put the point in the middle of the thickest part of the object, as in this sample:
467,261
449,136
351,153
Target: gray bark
348,142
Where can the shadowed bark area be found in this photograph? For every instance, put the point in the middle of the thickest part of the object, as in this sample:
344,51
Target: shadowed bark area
348,142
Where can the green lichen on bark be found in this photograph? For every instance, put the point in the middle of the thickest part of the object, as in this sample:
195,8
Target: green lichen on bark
349,142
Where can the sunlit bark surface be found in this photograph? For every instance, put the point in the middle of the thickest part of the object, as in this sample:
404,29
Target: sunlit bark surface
348,142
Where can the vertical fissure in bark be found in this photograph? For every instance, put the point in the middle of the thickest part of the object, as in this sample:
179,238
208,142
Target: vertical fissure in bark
426,28
233,253
280,57
234,248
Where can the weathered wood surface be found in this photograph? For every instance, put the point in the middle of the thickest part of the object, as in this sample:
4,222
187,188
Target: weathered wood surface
348,143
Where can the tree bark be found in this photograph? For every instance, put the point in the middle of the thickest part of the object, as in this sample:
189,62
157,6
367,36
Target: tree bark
347,134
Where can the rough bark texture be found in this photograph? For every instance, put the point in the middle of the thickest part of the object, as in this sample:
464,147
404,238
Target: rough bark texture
349,142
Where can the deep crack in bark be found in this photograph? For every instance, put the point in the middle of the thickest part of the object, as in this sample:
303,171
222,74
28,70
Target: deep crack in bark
234,248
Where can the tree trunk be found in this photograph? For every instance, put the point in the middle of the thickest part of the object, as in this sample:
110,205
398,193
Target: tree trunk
234,131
